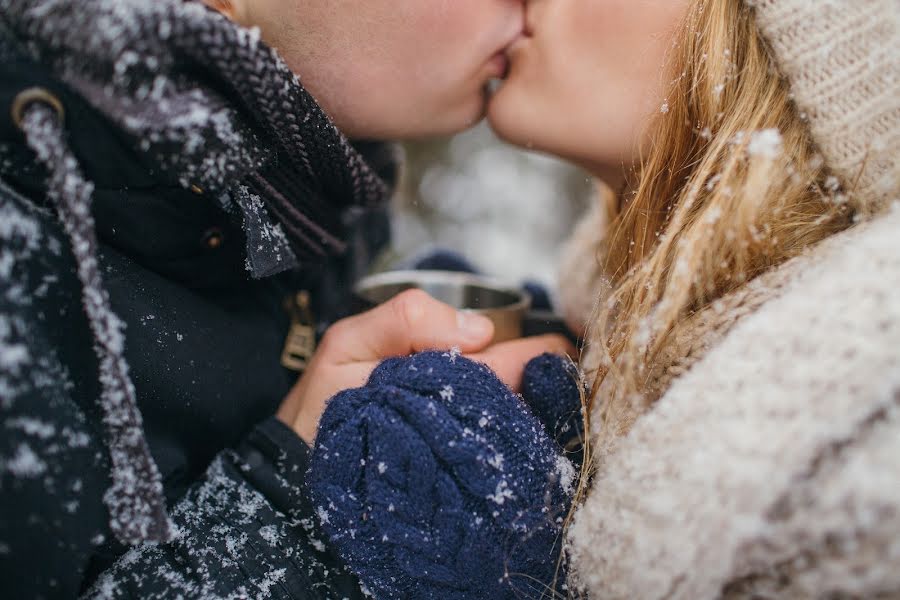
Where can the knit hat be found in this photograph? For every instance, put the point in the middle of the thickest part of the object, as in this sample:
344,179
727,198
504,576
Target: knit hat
842,58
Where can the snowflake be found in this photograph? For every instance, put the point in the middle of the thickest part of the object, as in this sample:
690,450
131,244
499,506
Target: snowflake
270,533
447,393
767,143
25,463
567,475
453,354
496,461
502,493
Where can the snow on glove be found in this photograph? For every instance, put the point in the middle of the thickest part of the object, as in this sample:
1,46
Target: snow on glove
552,387
434,480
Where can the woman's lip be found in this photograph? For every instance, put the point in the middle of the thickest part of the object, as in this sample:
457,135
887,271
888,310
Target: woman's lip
517,44
527,29
498,64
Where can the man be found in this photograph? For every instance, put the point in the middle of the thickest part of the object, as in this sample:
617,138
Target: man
166,183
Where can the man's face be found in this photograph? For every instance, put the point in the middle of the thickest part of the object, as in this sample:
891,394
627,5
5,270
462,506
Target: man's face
391,69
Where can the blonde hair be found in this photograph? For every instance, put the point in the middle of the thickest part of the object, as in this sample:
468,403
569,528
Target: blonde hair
731,186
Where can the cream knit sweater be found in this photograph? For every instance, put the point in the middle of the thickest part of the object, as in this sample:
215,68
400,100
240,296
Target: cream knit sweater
772,467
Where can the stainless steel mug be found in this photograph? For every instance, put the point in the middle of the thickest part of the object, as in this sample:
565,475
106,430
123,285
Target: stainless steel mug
504,304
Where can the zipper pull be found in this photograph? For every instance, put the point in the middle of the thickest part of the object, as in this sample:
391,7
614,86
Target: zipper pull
301,338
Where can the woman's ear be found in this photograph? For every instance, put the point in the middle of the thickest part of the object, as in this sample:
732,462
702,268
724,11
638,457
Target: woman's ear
233,9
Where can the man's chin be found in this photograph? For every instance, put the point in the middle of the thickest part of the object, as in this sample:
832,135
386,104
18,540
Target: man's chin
449,123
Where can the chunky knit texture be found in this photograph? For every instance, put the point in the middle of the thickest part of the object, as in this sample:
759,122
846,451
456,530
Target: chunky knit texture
842,58
435,481
762,460
553,388
250,123
842,61
770,468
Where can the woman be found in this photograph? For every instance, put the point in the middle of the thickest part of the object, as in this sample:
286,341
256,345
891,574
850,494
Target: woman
743,337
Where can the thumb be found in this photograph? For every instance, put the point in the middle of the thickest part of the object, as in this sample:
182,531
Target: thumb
410,322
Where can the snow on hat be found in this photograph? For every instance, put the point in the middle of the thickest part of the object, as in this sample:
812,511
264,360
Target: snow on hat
842,58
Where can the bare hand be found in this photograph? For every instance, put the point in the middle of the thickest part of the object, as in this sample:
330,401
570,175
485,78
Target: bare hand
410,322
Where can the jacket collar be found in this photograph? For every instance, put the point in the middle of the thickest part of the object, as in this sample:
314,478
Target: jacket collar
212,107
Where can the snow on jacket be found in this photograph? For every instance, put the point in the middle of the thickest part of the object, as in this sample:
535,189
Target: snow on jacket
149,234
769,465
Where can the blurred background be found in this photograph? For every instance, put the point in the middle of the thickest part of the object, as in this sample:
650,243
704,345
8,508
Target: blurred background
506,210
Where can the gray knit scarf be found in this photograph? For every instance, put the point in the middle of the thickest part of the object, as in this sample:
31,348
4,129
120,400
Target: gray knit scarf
212,107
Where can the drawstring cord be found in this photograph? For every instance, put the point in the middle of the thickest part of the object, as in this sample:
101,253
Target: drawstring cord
135,499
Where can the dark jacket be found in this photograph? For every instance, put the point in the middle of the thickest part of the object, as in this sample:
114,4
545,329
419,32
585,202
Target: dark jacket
187,265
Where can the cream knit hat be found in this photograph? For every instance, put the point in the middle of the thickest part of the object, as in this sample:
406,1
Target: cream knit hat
842,58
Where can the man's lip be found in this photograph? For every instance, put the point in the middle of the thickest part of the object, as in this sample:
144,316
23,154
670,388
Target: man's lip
499,64
515,34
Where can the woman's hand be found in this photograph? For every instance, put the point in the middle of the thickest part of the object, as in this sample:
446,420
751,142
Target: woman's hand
434,480
410,322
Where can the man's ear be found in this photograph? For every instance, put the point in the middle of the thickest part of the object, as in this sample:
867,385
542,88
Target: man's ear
233,9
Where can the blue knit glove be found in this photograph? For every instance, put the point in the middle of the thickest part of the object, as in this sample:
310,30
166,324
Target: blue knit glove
434,480
553,388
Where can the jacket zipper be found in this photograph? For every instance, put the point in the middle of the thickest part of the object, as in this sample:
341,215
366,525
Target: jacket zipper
301,338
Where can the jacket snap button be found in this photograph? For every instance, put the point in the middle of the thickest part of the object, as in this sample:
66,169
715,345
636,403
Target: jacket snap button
213,238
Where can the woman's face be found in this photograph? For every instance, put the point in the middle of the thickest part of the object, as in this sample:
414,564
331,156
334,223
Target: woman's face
585,78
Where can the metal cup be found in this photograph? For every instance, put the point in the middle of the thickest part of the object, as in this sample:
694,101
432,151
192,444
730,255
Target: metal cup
503,304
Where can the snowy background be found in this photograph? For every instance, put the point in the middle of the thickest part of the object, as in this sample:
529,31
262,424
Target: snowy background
504,209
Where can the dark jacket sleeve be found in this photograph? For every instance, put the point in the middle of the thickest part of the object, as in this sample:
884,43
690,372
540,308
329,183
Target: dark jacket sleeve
246,529
243,529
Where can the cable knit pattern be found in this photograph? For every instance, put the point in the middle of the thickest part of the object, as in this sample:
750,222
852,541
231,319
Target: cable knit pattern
435,481
553,387
842,58
250,122
770,466
582,288
688,344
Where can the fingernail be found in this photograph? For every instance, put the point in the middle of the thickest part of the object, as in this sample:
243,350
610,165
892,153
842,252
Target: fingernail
473,326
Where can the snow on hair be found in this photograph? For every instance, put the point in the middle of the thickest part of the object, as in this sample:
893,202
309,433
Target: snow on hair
731,186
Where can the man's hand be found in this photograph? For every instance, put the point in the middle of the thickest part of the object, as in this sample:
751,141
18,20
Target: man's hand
410,322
